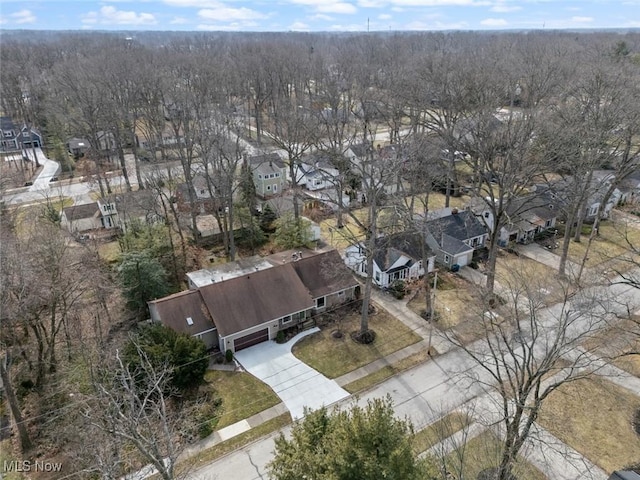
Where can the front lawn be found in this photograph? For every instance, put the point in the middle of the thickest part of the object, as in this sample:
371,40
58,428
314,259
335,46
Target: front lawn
334,357
388,372
439,431
483,452
595,417
522,271
243,395
610,244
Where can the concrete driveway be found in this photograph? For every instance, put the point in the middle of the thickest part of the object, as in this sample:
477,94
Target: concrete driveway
297,384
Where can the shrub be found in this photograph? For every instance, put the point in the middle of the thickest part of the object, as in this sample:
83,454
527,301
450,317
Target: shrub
185,355
280,337
228,356
398,289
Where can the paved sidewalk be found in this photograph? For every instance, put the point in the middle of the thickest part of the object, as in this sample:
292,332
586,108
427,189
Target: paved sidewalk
399,310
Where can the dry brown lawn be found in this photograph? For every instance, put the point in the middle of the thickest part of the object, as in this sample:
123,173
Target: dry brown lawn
538,278
458,306
483,452
618,343
334,357
610,245
595,417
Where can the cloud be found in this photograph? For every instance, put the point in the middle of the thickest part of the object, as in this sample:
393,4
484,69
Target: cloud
20,17
385,16
322,16
328,6
339,7
179,21
109,15
423,3
503,8
582,19
228,14
299,27
194,3
494,22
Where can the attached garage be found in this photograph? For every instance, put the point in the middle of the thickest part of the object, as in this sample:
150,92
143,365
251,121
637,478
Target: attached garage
251,339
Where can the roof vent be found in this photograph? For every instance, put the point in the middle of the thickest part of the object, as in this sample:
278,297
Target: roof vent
189,321
454,211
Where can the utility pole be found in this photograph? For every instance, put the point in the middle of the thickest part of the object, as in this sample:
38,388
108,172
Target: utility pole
433,310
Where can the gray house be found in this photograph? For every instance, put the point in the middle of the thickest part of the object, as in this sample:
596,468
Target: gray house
455,237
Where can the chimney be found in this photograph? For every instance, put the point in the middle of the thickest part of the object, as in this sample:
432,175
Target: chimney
454,211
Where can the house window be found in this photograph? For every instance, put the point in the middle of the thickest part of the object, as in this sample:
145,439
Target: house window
447,259
269,187
341,294
548,224
320,302
260,176
286,319
277,175
275,188
486,214
594,209
377,276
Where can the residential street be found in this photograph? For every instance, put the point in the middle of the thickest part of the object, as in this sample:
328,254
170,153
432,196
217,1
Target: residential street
444,384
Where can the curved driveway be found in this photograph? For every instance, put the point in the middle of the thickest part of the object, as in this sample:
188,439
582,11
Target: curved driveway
297,384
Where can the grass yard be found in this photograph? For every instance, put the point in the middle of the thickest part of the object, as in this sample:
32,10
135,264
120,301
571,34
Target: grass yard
109,252
620,337
334,357
595,417
242,395
483,452
439,430
517,271
387,372
458,306
223,448
6,457
607,246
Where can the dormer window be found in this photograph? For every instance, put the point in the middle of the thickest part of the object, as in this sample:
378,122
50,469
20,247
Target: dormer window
190,321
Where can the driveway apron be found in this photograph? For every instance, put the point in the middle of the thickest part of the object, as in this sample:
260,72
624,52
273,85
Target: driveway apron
297,384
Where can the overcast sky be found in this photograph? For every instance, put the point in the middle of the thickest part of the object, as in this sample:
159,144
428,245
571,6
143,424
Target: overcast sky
317,15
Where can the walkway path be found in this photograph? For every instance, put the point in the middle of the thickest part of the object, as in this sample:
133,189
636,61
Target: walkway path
49,170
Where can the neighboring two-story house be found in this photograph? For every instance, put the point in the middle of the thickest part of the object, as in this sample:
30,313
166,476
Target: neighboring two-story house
269,174
16,139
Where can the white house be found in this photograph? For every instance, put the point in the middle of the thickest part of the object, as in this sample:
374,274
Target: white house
396,257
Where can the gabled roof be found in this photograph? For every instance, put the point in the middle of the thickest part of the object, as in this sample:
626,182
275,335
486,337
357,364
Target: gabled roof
460,226
78,212
77,143
7,124
184,312
390,248
533,207
324,274
256,298
269,159
137,204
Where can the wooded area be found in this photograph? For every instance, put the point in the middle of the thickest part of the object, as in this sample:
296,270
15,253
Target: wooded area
498,117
